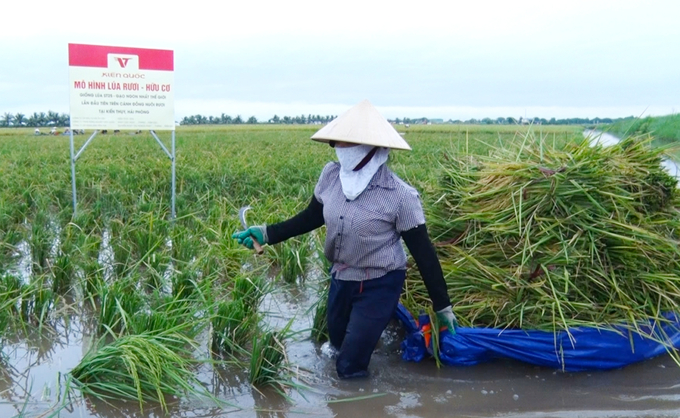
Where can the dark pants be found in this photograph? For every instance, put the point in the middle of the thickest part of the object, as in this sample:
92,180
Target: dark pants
358,313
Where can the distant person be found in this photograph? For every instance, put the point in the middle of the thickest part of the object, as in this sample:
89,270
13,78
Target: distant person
53,131
367,211
36,131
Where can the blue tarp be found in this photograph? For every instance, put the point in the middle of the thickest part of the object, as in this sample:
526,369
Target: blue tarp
577,350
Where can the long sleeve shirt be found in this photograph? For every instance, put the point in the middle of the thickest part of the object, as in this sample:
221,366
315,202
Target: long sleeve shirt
363,236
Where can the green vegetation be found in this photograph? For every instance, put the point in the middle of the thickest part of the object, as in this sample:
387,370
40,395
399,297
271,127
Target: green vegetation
142,367
540,237
153,290
664,129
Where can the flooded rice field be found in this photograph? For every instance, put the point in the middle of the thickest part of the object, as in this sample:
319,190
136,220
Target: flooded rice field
33,383
34,369
395,388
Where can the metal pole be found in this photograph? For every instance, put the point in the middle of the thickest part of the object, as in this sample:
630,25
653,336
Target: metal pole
73,174
173,174
161,144
85,145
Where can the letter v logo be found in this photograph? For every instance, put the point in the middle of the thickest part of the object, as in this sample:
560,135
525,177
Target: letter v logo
122,61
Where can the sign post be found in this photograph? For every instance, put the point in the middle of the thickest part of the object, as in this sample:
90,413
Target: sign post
118,88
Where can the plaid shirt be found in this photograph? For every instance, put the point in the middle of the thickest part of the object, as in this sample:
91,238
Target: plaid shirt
363,238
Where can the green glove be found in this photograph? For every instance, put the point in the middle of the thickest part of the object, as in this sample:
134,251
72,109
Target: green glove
258,232
446,317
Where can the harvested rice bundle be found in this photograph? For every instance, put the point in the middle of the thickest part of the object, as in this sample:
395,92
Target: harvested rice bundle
543,238
141,367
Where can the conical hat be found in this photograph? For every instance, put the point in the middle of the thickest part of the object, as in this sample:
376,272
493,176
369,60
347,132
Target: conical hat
362,124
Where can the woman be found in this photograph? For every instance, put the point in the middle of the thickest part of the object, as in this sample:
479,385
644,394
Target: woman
367,210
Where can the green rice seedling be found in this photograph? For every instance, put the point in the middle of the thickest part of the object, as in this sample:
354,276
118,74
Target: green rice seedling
123,256
185,283
6,221
250,290
184,244
118,302
10,287
65,259
267,359
62,273
89,242
9,239
167,313
292,257
320,323
144,367
41,239
218,253
149,235
319,257
11,291
89,246
233,326
37,300
93,279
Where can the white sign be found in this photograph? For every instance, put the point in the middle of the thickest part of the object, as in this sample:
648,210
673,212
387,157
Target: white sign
121,88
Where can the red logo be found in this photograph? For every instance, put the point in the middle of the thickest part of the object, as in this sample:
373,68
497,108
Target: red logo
122,61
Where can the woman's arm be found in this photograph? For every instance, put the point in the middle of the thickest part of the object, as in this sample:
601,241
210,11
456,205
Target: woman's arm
418,242
305,221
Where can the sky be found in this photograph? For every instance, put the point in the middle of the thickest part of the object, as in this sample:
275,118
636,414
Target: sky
437,59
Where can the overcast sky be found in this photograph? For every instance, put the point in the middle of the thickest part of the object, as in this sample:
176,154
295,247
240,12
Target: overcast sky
438,59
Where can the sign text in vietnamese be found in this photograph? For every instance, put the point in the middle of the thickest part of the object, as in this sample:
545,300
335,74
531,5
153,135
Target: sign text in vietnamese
121,88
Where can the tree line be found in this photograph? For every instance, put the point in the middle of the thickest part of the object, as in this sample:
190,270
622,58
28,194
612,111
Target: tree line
224,119
36,119
513,121
50,118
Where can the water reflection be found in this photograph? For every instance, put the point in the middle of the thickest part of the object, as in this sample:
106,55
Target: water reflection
607,139
269,403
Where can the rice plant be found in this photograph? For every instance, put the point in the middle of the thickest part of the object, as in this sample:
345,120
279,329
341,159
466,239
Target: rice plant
66,257
164,313
267,359
123,256
551,238
250,290
233,326
185,283
124,242
37,300
292,257
320,323
93,279
148,234
11,290
142,368
118,302
41,240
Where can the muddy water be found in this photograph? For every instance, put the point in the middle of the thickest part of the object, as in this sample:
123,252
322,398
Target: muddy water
34,370
395,388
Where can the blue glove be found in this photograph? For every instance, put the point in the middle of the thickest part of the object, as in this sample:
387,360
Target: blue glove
246,237
446,318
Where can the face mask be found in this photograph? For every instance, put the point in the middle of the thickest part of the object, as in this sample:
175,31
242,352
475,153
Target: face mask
350,157
355,182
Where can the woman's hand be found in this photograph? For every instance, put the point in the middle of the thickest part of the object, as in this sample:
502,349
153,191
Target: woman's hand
447,318
258,232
